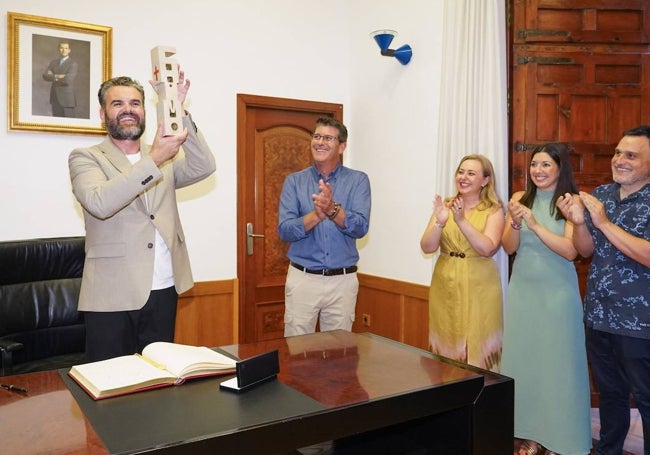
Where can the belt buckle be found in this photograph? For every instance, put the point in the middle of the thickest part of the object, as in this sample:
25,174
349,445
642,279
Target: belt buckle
327,272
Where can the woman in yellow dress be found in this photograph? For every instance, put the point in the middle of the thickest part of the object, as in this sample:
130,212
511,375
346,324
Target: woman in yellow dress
465,300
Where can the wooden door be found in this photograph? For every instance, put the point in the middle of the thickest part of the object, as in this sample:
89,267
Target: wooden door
580,74
273,140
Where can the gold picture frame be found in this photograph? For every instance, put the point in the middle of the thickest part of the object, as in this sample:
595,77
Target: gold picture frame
38,98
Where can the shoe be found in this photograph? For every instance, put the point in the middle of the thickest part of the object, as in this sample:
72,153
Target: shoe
528,447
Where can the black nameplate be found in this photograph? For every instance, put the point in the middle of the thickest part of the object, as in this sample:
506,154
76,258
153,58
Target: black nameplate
253,371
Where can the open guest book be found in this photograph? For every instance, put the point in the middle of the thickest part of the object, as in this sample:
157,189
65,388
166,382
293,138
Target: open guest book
161,364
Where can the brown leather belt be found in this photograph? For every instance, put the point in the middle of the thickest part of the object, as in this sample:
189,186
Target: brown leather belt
325,272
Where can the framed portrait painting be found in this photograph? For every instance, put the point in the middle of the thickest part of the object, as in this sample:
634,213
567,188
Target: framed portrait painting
54,69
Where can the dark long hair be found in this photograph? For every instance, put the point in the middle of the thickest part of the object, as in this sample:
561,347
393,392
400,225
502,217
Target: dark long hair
565,183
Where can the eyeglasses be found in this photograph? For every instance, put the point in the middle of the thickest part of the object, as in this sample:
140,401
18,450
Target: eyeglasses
325,137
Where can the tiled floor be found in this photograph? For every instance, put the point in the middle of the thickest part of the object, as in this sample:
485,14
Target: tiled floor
634,441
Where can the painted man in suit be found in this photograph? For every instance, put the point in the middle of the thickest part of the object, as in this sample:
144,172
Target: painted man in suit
136,257
62,72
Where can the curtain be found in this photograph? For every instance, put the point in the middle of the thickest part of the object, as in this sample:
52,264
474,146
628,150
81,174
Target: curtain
473,95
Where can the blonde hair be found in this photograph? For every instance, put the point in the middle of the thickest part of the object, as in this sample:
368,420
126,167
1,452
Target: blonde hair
488,198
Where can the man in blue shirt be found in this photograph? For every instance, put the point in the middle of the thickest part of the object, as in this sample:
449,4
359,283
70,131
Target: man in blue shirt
324,209
613,224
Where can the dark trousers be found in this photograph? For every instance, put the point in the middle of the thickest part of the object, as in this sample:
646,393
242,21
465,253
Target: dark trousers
621,366
62,111
116,333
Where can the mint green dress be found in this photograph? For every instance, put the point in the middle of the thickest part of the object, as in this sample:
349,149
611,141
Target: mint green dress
544,343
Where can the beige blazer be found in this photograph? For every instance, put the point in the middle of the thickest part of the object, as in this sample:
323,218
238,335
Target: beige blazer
120,221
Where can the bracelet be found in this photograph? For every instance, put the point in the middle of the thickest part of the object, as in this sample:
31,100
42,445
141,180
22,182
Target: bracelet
439,226
515,226
331,214
334,212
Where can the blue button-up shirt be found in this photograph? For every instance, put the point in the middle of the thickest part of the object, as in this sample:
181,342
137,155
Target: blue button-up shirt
618,288
326,246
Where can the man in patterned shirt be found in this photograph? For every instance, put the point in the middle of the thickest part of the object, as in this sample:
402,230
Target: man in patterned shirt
613,225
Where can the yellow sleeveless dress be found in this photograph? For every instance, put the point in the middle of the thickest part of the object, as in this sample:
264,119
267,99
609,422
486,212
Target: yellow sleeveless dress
465,300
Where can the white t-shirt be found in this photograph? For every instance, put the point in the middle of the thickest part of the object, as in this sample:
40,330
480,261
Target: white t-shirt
163,274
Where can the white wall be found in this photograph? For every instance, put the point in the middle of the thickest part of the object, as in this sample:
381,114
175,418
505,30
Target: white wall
393,137
285,48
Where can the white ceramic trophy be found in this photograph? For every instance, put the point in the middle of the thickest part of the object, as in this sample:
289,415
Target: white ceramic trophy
165,71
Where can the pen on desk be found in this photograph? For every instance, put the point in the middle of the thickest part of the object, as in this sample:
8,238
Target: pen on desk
13,388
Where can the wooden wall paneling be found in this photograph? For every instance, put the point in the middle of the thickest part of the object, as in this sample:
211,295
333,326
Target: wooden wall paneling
416,321
384,310
398,310
208,314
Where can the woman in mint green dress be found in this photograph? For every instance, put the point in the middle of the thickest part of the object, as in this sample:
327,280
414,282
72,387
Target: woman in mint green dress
543,342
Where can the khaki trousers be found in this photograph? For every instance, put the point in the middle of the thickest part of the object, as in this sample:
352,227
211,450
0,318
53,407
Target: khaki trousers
311,298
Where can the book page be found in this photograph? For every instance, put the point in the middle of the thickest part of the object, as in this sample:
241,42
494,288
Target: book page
184,360
120,374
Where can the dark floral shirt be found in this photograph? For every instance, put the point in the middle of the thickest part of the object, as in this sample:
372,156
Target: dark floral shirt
618,288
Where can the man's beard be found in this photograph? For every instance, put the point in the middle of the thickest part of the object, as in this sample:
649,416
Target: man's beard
130,133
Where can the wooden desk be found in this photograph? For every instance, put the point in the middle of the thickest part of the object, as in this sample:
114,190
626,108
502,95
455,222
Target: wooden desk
361,390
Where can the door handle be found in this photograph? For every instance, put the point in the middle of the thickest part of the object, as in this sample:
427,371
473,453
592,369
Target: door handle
249,238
